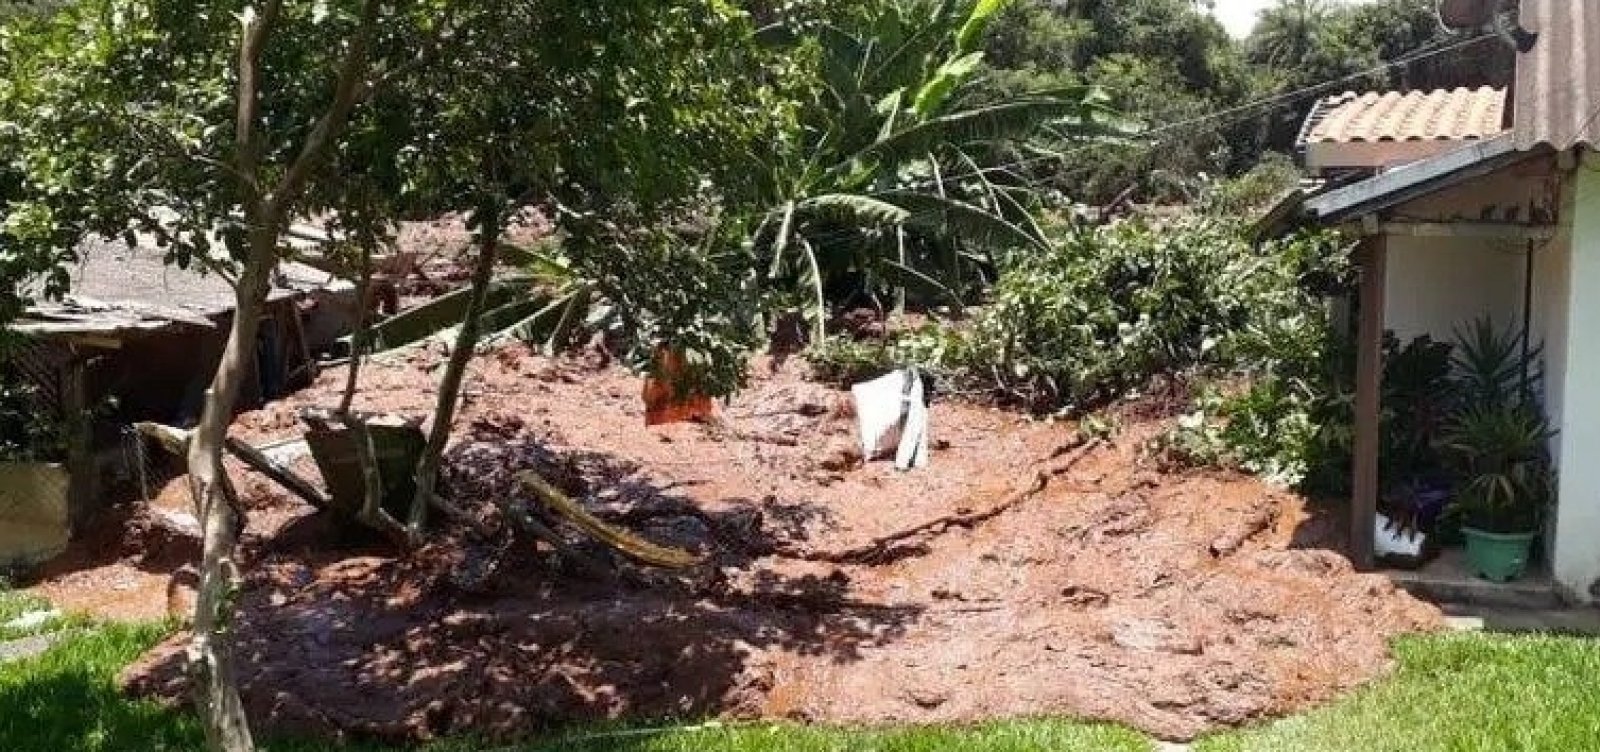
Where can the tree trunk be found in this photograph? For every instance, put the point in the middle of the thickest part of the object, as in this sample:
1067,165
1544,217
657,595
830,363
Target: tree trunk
211,652
363,331
450,386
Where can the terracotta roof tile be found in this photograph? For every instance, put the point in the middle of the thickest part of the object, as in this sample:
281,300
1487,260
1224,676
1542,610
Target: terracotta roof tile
1454,115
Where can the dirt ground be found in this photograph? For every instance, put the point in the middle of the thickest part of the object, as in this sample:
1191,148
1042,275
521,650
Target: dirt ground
1067,577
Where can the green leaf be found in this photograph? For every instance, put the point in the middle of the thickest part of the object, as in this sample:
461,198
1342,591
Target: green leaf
1001,122
857,209
961,219
889,108
970,37
937,91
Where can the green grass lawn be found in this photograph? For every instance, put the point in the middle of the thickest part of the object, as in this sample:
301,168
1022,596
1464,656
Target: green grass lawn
1456,692
1452,692
14,605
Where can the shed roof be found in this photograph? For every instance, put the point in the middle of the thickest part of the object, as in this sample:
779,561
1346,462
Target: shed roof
1441,115
1558,80
118,289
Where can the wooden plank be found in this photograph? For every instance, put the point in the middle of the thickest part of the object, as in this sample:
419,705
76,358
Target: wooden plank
1493,230
95,341
83,487
1373,258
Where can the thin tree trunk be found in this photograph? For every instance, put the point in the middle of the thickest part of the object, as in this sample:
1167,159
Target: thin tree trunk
363,330
211,666
210,651
450,386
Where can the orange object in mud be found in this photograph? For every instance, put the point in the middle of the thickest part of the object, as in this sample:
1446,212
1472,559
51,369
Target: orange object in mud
665,401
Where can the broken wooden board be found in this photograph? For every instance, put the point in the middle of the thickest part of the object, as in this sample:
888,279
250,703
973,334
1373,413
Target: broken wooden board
397,444
440,314
176,441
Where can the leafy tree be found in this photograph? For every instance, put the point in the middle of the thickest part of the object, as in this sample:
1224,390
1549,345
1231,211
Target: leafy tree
1161,62
1302,44
604,138
210,126
13,9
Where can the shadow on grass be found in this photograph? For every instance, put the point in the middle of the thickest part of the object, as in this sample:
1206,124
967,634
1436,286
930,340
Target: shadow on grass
66,698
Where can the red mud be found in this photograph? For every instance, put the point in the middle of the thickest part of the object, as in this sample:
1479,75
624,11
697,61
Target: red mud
1175,603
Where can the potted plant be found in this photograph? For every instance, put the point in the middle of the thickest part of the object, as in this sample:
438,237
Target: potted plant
1497,444
1504,484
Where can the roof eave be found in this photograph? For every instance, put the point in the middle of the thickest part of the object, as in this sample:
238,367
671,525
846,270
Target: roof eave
1413,180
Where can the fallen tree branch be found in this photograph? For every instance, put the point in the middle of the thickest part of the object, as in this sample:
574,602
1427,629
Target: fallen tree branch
540,531
880,549
622,541
279,473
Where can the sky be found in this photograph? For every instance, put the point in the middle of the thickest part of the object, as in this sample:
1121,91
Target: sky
1240,15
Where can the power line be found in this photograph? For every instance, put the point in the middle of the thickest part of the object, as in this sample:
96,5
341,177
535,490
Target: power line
1248,107
1238,111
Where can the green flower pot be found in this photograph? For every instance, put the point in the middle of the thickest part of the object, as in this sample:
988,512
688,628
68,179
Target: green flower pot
1499,557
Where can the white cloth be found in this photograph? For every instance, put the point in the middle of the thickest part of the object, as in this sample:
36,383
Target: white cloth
892,413
1389,540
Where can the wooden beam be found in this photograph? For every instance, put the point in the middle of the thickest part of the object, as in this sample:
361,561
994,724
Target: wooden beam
95,341
1492,230
279,473
1373,259
83,481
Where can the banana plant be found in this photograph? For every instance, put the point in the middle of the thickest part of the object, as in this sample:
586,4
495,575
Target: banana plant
895,178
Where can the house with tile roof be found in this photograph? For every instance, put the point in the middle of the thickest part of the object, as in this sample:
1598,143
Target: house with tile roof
1473,204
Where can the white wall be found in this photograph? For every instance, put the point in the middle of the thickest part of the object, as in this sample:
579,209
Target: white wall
1577,539
1436,285
1552,288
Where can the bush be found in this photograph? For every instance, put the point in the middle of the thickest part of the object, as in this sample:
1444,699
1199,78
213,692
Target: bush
1255,191
29,430
1107,308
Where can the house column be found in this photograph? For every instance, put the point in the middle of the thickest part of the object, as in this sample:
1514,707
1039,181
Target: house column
1576,556
1373,257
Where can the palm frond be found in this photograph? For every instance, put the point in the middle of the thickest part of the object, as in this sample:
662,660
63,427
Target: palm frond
970,37
936,92
908,61
855,209
781,242
1000,122
904,268
948,216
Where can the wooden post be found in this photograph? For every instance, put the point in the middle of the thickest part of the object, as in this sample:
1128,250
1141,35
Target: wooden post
1373,258
83,480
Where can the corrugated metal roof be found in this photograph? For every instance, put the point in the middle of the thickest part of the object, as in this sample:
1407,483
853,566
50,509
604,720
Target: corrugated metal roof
1558,81
1440,115
116,289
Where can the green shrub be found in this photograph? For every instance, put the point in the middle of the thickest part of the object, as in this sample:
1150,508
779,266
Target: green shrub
1107,308
1253,192
939,349
1496,442
30,431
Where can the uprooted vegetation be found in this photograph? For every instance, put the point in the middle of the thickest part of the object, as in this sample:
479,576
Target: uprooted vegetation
1107,309
807,584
